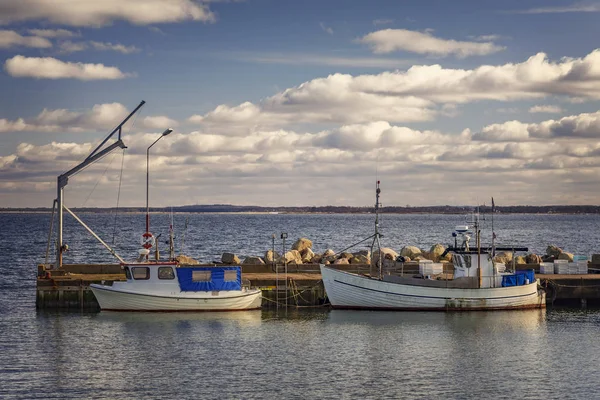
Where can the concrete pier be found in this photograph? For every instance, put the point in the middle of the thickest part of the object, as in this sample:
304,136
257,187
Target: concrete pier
68,288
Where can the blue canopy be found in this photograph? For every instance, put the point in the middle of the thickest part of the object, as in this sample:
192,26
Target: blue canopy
215,280
519,278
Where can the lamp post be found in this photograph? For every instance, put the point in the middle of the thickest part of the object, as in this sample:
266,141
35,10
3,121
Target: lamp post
165,133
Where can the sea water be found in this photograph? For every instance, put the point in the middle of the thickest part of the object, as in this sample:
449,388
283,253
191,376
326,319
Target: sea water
295,353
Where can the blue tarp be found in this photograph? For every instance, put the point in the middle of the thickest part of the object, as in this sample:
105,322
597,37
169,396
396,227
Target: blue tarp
217,279
518,279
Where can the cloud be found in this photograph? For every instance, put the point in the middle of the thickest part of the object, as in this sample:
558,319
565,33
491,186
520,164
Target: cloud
101,117
411,161
420,93
158,122
546,109
105,12
486,38
10,39
573,8
390,40
585,125
318,59
52,68
71,47
114,47
326,29
53,33
382,21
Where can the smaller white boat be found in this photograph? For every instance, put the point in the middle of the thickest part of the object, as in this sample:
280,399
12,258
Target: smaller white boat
165,286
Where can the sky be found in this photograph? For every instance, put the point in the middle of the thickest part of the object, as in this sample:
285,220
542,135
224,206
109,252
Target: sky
287,103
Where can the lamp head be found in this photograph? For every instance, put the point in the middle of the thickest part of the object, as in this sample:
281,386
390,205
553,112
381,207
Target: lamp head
167,131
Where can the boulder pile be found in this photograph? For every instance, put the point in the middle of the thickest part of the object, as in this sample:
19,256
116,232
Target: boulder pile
302,252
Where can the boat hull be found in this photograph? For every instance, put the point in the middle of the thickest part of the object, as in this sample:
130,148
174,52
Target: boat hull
111,299
352,291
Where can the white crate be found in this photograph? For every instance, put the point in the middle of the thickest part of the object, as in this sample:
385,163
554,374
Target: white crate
582,267
561,268
430,268
546,268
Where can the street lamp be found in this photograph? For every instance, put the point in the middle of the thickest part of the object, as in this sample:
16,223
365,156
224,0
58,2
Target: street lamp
165,133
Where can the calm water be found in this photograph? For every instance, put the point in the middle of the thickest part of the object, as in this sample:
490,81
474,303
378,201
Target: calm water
308,353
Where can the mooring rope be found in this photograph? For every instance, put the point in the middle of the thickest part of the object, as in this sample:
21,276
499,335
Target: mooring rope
118,197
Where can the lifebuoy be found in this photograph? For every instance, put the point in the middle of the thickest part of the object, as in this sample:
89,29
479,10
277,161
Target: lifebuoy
147,240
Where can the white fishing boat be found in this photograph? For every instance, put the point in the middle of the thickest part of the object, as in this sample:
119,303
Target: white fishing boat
170,287
475,284
155,285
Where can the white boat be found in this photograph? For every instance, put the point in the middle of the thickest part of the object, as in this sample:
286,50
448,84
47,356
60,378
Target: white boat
476,284
169,287
154,285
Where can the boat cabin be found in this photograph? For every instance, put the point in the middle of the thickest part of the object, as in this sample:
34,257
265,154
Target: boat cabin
171,277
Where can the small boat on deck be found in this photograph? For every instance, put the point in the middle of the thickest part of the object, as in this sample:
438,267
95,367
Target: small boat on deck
168,287
476,284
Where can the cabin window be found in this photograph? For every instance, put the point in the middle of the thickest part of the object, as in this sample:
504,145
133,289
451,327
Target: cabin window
230,276
127,273
166,273
140,272
201,276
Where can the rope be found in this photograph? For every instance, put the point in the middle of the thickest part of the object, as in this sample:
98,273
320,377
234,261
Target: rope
118,197
98,181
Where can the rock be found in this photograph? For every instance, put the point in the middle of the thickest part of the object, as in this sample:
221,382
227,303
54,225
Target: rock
520,260
253,261
447,258
565,256
185,260
403,259
271,256
346,255
389,257
426,255
328,253
230,258
419,258
301,244
317,258
553,250
436,252
533,259
364,253
341,261
293,257
360,259
410,251
307,255
503,257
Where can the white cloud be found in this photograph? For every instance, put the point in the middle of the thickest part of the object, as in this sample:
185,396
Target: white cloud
105,12
390,40
320,59
114,47
326,29
573,8
158,122
53,33
71,47
486,38
382,21
549,109
10,39
585,125
52,68
418,94
101,117
411,161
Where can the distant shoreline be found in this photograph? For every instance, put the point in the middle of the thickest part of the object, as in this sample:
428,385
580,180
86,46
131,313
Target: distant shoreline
232,209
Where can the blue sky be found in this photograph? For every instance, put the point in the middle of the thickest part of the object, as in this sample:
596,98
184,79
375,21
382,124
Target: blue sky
303,103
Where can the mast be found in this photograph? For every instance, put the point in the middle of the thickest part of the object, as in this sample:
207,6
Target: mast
493,233
478,240
377,235
63,180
